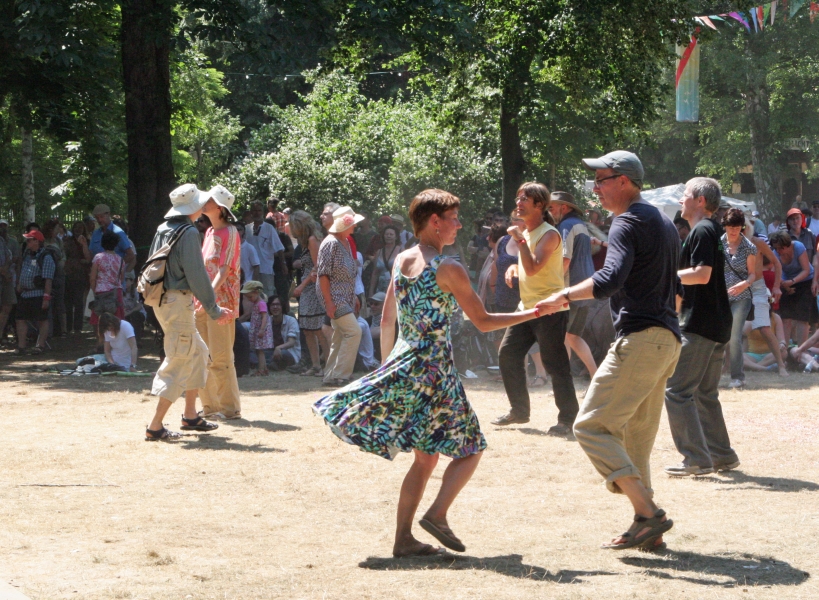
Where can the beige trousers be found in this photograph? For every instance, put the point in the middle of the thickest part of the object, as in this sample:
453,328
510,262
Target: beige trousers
221,392
620,414
186,356
343,347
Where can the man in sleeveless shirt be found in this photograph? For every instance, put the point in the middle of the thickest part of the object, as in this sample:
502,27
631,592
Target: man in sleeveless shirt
540,274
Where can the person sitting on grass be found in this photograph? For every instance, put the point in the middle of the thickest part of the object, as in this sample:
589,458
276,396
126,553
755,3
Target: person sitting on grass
807,353
120,342
758,356
286,334
261,333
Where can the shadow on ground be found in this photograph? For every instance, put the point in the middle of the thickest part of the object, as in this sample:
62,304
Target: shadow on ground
737,480
723,571
218,442
266,425
511,565
540,432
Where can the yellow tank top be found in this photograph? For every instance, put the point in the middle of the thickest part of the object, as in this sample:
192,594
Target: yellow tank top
549,279
756,341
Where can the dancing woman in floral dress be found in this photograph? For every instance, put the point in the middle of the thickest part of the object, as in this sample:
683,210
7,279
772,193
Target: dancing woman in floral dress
415,401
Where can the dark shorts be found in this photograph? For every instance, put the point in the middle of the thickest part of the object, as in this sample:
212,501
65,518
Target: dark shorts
7,294
577,319
31,309
798,306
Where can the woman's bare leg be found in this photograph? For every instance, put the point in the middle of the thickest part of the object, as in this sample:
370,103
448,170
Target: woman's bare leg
456,476
412,490
313,348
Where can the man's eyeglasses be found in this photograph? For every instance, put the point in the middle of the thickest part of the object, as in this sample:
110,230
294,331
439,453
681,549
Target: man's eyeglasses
597,182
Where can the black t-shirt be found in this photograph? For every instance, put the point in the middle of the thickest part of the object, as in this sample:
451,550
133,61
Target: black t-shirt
706,310
640,272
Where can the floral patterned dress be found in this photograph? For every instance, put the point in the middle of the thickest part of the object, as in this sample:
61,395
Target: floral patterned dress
415,399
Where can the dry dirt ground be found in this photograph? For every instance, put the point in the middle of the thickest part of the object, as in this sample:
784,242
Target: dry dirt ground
276,507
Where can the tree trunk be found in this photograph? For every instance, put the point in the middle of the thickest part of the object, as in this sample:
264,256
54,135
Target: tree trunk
766,169
29,214
512,161
146,34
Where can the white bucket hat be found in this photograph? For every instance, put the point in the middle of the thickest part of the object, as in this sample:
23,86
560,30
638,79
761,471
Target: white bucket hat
222,197
344,218
186,200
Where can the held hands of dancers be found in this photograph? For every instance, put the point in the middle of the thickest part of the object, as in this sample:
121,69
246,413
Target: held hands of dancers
553,303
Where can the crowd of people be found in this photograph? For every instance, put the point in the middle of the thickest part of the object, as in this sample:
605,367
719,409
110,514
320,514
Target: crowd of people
712,292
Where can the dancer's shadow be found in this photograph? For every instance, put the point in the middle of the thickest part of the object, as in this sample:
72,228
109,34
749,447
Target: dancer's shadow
723,571
217,442
511,565
530,431
742,481
266,425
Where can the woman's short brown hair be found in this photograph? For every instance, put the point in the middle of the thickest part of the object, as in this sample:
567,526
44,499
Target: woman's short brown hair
779,238
427,203
734,218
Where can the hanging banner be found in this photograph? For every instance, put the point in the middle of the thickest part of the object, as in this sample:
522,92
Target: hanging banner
687,82
741,19
796,5
773,12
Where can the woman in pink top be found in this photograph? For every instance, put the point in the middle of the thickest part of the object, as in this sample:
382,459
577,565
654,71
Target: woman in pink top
221,253
106,278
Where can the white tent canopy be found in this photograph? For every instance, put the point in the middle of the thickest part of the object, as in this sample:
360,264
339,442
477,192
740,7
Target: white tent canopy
667,199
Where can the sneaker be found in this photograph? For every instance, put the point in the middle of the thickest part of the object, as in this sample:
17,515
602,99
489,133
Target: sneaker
560,430
727,466
510,419
683,471
736,384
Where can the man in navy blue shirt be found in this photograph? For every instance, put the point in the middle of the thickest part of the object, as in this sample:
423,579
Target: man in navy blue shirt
620,415
124,249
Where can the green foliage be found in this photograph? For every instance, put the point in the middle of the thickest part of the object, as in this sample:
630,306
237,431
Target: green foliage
204,134
374,155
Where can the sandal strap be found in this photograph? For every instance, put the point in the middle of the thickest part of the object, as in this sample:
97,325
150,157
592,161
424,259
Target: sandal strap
195,421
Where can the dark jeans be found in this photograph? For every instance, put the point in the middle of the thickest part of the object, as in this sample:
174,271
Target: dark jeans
692,402
75,294
549,332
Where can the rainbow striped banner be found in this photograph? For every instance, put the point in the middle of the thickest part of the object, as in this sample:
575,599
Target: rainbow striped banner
687,82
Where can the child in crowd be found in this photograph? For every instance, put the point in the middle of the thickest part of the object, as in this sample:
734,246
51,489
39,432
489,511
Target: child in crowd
261,332
107,277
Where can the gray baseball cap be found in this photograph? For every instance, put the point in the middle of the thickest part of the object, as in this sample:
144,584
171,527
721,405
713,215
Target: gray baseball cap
625,163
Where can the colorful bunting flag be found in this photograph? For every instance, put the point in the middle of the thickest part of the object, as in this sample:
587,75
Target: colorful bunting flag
687,82
741,19
773,12
795,6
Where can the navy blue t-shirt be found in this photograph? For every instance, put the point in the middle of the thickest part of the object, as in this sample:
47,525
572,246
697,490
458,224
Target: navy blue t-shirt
640,273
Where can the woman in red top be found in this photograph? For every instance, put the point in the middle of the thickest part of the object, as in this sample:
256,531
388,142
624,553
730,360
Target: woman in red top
221,253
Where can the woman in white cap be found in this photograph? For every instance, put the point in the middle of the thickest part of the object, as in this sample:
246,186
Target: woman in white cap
221,252
185,367
337,270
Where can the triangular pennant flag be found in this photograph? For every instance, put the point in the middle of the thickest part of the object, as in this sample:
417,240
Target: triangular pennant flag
741,19
773,12
766,11
752,14
814,10
760,17
709,22
796,5
715,18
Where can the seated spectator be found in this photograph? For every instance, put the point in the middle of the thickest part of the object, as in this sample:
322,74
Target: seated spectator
807,353
286,337
120,342
365,360
261,333
758,356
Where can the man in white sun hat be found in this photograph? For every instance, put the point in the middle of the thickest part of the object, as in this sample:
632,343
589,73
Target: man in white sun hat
185,368
337,269
221,251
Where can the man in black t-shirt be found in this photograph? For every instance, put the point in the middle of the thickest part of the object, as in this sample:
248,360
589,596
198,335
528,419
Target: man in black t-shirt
692,395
